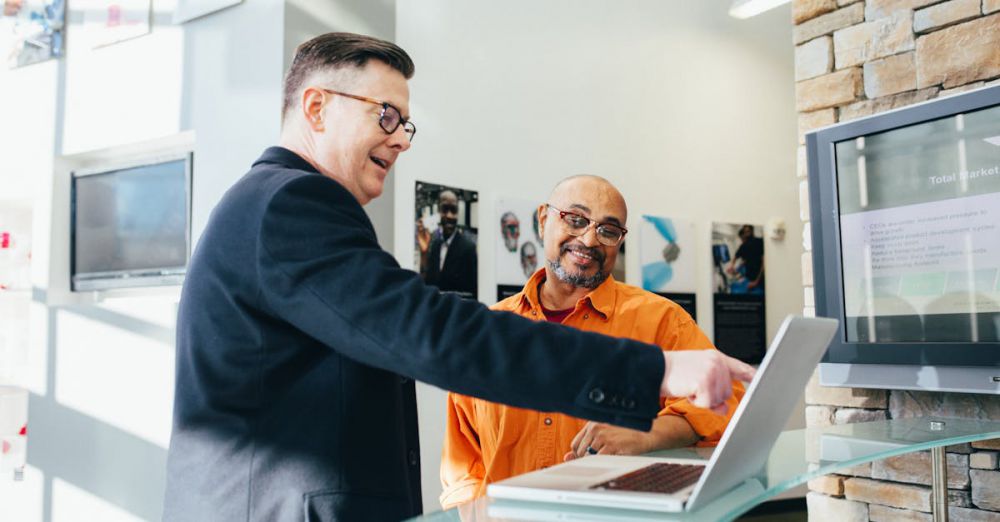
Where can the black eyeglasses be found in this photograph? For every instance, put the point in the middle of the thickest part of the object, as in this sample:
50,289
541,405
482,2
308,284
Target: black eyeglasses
608,234
389,119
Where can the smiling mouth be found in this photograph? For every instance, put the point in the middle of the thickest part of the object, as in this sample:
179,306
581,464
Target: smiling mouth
582,258
380,162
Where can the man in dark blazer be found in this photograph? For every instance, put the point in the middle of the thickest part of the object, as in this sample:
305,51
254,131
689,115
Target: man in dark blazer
458,271
298,337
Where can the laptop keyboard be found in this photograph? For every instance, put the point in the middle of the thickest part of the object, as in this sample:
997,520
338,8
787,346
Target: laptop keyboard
655,478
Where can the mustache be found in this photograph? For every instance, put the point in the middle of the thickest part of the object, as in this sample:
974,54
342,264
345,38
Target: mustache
595,253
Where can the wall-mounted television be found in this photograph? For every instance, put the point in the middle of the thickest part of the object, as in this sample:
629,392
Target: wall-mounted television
905,210
130,223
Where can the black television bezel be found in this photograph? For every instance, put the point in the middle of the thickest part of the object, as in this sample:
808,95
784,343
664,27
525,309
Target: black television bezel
129,279
825,229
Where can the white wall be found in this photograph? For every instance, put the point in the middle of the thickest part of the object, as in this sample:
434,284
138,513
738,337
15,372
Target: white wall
101,373
688,111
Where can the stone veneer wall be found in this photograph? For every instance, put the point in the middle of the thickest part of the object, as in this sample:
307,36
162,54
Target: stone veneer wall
855,58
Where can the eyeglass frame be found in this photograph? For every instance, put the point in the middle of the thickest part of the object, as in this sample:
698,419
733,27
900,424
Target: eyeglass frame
590,222
403,122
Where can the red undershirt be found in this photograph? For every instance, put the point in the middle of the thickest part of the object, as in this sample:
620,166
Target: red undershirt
556,316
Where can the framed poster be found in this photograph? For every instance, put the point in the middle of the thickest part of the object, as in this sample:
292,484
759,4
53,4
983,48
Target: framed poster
738,290
667,249
446,238
33,30
117,20
518,245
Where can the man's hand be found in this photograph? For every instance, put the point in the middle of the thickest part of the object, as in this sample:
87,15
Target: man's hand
605,439
423,237
704,377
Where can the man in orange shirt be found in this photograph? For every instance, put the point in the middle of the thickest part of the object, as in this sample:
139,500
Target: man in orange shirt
582,226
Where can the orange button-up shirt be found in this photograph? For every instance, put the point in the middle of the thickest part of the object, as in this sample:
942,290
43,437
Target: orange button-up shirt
486,442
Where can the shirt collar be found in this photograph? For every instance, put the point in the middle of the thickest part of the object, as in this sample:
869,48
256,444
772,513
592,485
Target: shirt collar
448,240
601,299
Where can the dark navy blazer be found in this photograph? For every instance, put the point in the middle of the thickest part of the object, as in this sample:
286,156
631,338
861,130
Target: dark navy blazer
297,338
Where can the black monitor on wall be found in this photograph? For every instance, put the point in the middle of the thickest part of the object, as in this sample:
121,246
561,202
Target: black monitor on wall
130,223
905,211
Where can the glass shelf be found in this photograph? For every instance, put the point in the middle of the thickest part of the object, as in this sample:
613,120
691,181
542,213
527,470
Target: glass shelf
797,457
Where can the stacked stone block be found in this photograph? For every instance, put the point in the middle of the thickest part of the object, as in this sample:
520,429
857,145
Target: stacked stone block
855,59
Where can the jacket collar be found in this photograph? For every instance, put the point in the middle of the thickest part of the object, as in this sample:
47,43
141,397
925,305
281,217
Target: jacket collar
285,157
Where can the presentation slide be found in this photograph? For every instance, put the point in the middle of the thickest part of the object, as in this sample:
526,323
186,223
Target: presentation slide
941,257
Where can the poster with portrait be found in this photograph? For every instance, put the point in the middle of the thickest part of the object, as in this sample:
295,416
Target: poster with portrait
445,238
667,249
518,244
112,21
738,290
31,31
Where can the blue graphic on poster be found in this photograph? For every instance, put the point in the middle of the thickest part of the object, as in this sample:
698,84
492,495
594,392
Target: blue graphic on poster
666,254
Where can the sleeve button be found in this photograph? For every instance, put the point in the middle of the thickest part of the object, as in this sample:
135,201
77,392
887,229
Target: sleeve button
597,395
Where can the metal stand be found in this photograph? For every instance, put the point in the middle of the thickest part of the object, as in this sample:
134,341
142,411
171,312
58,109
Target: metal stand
939,479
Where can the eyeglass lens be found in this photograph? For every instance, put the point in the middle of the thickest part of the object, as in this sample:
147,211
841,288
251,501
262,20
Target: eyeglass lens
391,119
608,235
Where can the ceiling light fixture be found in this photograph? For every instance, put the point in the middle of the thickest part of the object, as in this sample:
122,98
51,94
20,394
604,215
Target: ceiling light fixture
748,8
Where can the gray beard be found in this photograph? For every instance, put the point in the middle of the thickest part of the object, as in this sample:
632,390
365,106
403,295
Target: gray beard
589,282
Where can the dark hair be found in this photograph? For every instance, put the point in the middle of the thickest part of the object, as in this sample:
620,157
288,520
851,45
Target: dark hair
333,50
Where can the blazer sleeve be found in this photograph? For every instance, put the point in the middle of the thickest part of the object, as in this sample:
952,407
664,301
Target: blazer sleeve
322,271
686,335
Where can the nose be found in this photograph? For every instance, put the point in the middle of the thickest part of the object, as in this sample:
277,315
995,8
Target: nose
589,236
398,140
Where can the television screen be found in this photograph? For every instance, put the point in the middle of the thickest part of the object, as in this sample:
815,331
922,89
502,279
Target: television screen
130,225
919,210
905,227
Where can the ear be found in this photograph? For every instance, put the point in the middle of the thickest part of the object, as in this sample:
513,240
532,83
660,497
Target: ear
313,102
543,216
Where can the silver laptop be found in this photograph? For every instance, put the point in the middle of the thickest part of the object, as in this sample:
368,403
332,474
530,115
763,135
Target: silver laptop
671,484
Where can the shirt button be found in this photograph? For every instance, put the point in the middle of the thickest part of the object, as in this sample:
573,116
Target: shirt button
597,395
548,421
413,458
534,312
586,316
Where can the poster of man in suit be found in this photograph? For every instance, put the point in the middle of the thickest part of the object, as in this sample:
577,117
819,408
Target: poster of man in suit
446,236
